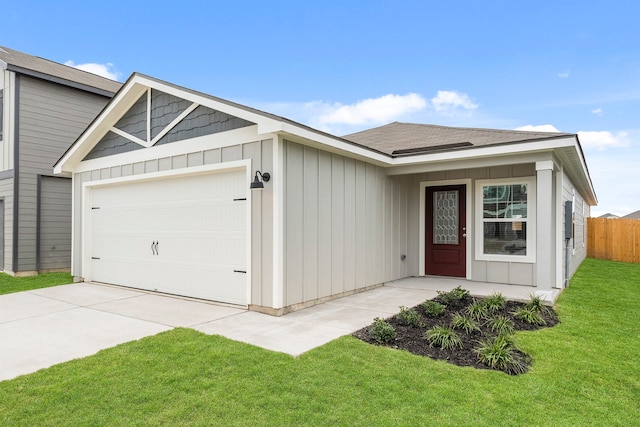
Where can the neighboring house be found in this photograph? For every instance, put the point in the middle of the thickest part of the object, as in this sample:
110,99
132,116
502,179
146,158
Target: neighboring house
609,215
162,202
632,215
44,106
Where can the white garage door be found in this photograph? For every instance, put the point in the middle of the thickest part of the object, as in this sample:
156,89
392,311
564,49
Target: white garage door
184,236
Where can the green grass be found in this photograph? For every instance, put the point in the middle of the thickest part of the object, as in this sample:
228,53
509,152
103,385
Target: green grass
586,371
10,284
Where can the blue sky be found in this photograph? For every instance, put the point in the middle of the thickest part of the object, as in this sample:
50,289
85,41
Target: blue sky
343,66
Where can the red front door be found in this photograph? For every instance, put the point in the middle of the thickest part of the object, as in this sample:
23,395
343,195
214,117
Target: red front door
445,237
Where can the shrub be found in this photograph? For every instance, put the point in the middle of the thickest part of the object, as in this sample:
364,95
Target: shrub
477,310
409,316
529,315
501,325
443,337
536,304
494,302
433,308
381,331
454,296
464,322
498,353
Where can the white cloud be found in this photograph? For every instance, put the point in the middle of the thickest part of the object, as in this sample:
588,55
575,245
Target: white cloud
104,70
597,111
448,101
370,111
538,128
564,75
601,140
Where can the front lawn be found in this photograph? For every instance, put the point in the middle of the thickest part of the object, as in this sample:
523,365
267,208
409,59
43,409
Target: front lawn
586,371
10,284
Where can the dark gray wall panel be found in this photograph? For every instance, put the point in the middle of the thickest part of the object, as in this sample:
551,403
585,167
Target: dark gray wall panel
55,223
203,121
112,144
165,108
134,122
51,117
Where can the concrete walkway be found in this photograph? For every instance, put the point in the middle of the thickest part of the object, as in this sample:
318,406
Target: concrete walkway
43,327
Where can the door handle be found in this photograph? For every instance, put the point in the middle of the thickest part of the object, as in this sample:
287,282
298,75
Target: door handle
464,235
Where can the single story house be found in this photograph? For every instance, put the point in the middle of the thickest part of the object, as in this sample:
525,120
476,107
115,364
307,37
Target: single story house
44,107
181,192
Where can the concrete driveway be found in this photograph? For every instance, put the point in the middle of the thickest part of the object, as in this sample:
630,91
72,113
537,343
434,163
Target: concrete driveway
43,327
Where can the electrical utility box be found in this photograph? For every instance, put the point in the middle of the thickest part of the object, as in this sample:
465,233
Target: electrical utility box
568,220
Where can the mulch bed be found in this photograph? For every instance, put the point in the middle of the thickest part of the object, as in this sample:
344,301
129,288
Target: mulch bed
411,338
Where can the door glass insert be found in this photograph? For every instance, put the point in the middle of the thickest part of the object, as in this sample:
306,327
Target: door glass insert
445,217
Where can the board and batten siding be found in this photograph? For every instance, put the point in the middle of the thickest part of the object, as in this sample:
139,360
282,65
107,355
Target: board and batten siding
261,155
581,210
7,119
51,117
517,273
345,225
6,194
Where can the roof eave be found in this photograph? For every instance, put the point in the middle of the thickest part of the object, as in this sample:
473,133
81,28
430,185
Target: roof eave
58,80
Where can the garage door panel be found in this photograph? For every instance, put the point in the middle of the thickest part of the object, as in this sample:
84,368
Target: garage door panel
183,236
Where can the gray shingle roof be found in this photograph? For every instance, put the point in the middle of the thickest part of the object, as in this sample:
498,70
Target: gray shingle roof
399,139
63,74
632,215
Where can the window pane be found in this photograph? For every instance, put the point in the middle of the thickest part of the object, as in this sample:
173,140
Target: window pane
505,238
504,201
445,217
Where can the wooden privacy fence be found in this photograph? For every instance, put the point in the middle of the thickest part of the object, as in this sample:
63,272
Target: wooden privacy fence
614,239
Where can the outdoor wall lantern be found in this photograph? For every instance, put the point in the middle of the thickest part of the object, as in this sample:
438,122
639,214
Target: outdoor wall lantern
257,184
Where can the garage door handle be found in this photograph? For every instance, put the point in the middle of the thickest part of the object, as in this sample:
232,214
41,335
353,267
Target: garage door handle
154,248
239,271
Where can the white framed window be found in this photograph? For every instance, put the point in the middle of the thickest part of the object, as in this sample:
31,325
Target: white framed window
505,220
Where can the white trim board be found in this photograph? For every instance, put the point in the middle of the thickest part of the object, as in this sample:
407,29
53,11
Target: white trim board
469,190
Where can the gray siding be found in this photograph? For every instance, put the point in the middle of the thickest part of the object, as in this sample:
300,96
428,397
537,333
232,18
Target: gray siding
579,242
164,109
6,195
487,271
260,153
1,110
51,117
345,224
203,121
134,122
55,223
1,234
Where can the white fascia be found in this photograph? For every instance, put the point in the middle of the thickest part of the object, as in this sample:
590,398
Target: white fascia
99,127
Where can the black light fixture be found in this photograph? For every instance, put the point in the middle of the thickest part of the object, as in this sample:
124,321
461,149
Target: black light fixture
257,184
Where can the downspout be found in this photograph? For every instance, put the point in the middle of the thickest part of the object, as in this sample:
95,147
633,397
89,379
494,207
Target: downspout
567,262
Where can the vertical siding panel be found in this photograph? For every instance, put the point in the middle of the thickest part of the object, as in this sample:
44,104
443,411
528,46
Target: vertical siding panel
349,224
6,190
266,217
361,216
379,219
310,237
293,223
253,151
388,229
324,224
337,224
371,227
